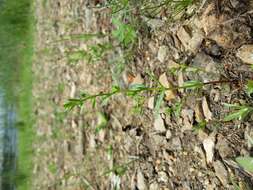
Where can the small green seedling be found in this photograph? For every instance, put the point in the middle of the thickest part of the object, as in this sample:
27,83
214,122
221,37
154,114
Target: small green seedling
94,53
249,87
124,33
101,123
175,109
200,126
240,113
134,91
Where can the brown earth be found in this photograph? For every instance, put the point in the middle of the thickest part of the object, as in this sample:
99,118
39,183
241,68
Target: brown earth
162,153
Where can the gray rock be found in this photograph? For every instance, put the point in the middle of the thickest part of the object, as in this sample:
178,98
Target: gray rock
141,181
245,53
223,147
168,134
221,172
211,71
159,124
154,186
176,144
163,177
162,53
158,140
190,39
155,23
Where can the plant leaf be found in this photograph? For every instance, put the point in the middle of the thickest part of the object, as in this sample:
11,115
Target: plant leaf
236,106
124,33
241,114
246,162
73,103
249,87
158,103
102,122
193,84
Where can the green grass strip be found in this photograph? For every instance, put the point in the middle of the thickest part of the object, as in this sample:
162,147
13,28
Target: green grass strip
16,47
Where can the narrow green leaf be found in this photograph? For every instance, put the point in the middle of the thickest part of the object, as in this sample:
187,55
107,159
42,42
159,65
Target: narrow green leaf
240,114
236,106
158,103
233,116
193,84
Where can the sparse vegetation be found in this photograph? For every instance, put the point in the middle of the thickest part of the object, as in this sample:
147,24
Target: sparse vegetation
123,48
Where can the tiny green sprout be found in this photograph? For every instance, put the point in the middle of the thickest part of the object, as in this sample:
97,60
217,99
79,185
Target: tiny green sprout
200,126
94,53
249,87
124,33
241,112
179,6
102,122
193,84
175,109
118,170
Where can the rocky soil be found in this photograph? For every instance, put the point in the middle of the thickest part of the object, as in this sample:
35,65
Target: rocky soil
138,150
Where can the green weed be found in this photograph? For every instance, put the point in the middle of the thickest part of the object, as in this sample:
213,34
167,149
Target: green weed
240,112
132,91
124,33
93,54
249,87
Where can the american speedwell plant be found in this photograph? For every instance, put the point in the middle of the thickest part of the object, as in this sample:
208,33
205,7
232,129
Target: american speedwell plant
133,91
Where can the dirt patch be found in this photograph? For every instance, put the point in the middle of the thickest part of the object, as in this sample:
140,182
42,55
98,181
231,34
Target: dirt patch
140,151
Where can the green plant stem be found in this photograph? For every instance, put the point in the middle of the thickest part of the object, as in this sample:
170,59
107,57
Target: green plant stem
157,89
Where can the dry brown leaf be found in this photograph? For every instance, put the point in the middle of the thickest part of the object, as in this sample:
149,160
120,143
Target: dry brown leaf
208,145
137,80
198,112
151,102
207,113
169,94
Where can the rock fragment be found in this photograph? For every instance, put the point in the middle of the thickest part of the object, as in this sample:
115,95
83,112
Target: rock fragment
169,94
176,144
162,53
191,40
245,53
223,147
208,145
221,172
151,103
163,177
141,181
207,113
159,124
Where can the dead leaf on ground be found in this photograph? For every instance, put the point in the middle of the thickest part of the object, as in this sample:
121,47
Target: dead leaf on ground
169,94
208,145
137,80
207,113
198,112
